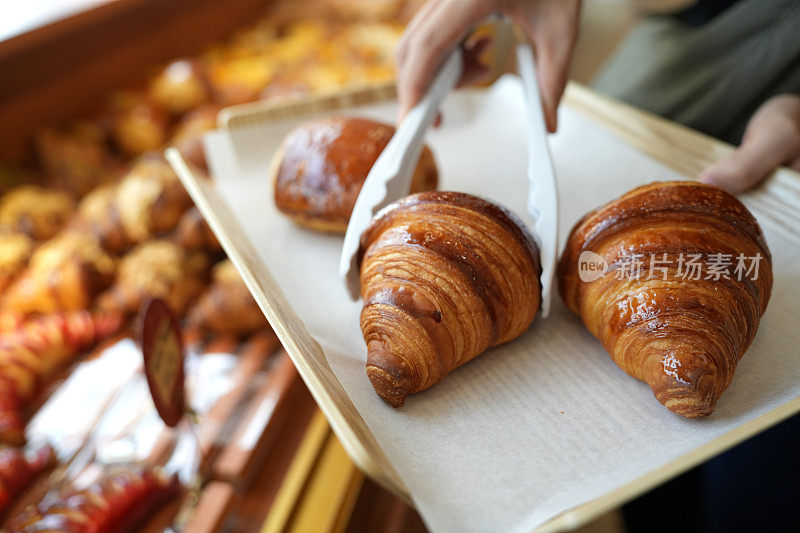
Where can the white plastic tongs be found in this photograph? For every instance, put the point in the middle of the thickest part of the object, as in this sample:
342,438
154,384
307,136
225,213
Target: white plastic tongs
542,192
390,177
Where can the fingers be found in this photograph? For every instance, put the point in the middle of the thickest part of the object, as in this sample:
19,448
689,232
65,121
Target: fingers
552,28
435,30
772,139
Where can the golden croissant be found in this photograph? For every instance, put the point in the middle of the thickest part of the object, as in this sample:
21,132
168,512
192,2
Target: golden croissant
444,276
687,276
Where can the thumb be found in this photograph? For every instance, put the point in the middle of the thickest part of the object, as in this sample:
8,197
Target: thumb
743,169
772,139
762,151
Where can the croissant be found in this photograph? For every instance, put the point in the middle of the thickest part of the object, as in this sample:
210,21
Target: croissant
147,201
444,276
322,164
227,305
667,297
118,501
65,273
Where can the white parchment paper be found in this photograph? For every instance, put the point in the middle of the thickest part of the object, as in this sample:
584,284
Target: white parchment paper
547,422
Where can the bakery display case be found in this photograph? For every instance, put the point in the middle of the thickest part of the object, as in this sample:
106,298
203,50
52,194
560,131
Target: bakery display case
94,223
173,160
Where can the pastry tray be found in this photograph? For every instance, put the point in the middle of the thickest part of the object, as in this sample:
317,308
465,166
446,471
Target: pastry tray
756,400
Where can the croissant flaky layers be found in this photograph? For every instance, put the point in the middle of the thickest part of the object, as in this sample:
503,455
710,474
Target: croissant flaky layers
444,276
686,275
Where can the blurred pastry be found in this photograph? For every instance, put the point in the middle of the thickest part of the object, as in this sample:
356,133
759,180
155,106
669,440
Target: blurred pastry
149,200
193,233
119,501
188,135
10,320
65,273
444,276
137,124
398,11
76,160
179,87
322,164
156,268
227,305
15,250
237,79
34,211
31,355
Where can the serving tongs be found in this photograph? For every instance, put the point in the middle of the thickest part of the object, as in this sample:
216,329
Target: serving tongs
390,177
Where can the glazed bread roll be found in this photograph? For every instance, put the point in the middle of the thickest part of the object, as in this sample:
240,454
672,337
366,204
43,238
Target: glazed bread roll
322,164
678,328
444,276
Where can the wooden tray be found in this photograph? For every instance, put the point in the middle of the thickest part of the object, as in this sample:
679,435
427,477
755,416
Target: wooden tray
673,145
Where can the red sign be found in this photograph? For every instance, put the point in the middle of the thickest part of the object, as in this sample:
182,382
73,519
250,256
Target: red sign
162,349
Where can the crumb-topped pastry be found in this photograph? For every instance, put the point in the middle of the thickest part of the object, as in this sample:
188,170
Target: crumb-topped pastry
35,211
322,164
156,268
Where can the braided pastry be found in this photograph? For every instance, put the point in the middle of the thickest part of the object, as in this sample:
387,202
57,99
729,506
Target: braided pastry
119,501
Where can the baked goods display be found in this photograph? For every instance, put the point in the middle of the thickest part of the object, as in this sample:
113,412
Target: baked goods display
444,276
118,501
94,221
322,164
680,331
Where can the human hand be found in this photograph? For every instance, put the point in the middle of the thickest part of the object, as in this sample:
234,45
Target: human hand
440,25
772,139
